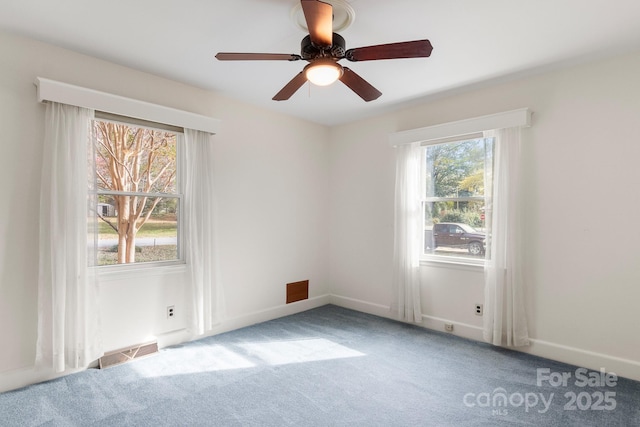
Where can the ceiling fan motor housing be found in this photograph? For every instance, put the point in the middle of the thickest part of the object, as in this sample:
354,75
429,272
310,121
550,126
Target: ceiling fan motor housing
309,51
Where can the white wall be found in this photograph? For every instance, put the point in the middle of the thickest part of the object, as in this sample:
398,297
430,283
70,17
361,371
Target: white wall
581,176
272,194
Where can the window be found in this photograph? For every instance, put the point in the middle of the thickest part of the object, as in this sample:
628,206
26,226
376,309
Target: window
138,203
455,176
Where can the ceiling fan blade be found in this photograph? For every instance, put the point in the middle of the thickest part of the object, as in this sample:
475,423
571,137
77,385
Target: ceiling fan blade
413,49
291,87
359,85
319,17
234,56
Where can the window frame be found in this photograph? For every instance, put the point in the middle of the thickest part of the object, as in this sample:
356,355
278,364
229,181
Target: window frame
446,260
179,136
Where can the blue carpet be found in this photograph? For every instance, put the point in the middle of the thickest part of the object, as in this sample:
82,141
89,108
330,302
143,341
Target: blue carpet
329,367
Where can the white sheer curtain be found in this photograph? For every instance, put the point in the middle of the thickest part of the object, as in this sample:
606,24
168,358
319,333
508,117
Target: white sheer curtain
407,228
504,317
204,293
68,312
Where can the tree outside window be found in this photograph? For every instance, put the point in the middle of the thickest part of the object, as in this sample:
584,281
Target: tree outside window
138,203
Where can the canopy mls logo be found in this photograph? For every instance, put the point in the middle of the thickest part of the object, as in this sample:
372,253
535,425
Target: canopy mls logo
596,397
499,401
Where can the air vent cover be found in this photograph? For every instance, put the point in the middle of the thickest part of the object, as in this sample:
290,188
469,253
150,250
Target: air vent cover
297,291
124,355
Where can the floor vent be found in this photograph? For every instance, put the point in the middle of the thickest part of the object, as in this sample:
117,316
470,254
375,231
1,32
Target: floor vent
124,355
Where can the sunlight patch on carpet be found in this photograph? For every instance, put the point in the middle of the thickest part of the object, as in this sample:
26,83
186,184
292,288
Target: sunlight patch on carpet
192,360
299,351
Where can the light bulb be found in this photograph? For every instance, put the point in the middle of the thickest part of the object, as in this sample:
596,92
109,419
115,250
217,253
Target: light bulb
323,72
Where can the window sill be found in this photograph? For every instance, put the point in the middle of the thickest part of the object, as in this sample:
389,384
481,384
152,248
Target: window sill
453,263
139,271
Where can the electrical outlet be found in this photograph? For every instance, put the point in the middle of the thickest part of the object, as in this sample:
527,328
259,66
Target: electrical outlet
479,309
448,327
170,311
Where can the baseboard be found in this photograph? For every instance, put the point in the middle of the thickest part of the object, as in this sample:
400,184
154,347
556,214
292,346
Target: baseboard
363,306
574,356
584,358
22,377
429,322
271,313
233,323
459,329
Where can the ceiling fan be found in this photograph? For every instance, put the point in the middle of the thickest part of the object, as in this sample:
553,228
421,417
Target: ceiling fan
323,48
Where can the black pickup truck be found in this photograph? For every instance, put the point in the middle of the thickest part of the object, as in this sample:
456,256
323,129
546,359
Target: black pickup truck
455,235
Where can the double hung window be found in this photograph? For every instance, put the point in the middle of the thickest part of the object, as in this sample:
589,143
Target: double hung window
135,170
456,176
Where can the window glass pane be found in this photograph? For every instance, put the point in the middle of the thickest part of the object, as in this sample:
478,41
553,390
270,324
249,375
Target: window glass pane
134,159
455,228
456,169
456,175
137,207
156,240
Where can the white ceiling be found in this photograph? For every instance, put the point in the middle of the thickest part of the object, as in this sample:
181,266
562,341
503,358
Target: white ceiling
474,41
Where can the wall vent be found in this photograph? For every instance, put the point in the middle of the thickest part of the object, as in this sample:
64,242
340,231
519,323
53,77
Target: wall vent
124,355
297,291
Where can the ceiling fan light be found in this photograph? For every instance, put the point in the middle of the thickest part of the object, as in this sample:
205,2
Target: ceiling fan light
323,73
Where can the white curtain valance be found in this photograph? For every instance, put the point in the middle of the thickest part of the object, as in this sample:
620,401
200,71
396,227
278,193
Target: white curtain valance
507,119
64,93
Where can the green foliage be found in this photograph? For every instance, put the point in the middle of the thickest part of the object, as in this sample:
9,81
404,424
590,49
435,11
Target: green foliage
456,167
167,205
114,248
144,254
157,228
456,171
473,184
452,211
452,216
465,216
473,219
165,227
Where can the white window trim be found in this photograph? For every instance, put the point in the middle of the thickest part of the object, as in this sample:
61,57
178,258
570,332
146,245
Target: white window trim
51,90
456,131
137,270
461,128
458,263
